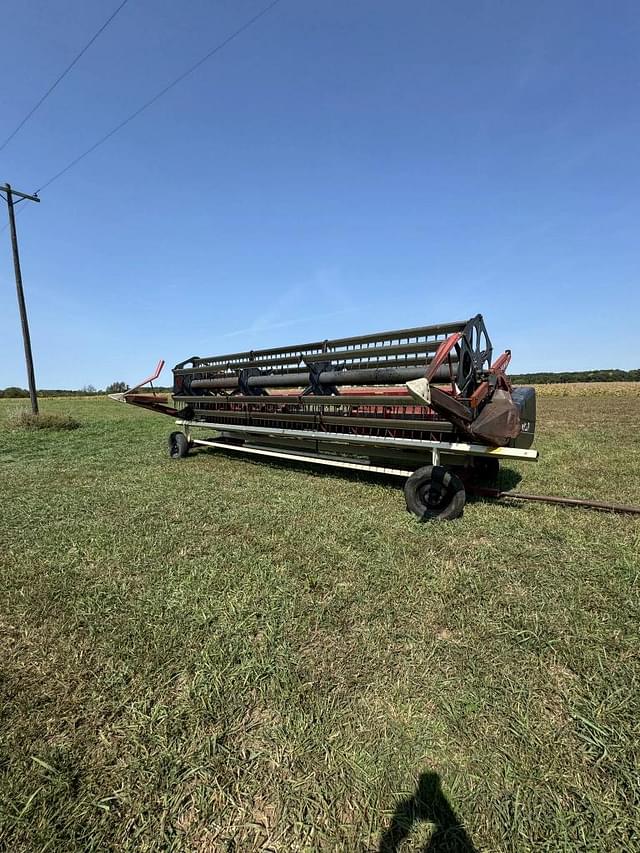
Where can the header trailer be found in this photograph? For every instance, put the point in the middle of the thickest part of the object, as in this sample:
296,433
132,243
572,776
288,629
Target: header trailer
390,401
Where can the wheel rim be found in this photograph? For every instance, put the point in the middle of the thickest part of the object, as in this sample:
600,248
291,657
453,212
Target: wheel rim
436,494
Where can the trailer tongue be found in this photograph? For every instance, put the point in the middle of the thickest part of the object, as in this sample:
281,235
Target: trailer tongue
426,403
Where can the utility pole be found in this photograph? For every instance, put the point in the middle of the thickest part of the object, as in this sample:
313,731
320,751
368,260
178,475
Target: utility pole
26,337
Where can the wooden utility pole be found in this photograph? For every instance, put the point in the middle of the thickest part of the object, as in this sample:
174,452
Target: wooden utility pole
26,337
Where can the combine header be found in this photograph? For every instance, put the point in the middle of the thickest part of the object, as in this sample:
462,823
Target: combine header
429,404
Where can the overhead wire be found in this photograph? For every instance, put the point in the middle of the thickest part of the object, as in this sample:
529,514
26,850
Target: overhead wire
218,47
62,76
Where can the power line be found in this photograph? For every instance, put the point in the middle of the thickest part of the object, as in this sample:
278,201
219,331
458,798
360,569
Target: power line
62,76
220,46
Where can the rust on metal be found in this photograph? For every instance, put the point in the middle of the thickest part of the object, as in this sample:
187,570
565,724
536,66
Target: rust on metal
605,506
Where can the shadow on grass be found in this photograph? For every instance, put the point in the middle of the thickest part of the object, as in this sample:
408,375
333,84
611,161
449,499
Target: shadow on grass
428,804
507,478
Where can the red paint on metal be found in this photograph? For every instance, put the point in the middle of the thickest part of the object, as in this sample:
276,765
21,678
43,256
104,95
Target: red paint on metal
479,394
152,378
502,362
441,354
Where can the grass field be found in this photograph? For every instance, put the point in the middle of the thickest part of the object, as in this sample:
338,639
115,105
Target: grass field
215,654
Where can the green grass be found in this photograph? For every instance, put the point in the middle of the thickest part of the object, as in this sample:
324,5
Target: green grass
216,654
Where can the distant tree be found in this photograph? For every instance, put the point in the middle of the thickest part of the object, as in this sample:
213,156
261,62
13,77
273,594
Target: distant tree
12,391
88,389
117,388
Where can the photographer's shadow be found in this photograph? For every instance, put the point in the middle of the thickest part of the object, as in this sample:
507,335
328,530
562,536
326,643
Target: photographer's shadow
427,804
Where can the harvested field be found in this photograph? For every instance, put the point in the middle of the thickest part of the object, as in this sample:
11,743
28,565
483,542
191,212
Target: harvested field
590,389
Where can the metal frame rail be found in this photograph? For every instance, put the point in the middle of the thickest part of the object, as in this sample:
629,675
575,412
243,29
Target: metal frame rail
434,448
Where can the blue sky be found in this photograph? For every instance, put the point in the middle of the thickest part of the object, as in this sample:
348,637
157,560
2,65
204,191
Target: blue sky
340,168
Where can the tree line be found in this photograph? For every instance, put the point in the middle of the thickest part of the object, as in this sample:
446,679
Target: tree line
87,391
575,376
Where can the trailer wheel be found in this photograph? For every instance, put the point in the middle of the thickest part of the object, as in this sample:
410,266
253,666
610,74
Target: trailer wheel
435,493
178,445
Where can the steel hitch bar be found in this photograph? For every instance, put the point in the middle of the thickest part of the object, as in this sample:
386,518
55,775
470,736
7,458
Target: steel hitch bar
509,495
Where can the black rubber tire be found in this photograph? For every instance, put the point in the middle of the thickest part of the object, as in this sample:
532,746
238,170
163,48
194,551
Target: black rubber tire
178,445
435,494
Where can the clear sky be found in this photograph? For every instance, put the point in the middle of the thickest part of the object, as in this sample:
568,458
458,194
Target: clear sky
342,167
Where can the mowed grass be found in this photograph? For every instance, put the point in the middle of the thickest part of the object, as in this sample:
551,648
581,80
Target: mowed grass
216,654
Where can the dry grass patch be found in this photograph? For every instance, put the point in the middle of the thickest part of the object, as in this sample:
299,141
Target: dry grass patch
24,419
589,389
